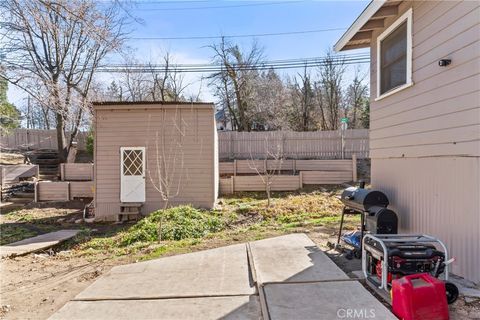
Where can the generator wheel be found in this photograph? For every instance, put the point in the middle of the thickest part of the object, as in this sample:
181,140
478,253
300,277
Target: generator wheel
452,292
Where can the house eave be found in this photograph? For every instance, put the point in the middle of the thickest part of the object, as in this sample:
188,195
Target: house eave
365,16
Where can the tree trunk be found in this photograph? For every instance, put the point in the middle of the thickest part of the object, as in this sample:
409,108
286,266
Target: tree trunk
61,145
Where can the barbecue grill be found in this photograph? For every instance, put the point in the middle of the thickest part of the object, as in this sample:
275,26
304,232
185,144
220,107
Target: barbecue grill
371,205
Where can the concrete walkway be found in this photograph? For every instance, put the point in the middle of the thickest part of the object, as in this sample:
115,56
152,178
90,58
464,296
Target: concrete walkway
37,243
286,277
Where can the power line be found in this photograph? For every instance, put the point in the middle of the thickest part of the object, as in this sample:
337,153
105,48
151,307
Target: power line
240,35
219,7
218,67
213,68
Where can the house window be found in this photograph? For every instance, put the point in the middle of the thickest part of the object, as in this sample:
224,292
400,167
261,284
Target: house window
394,50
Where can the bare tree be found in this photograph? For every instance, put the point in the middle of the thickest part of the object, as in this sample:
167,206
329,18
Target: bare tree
264,170
236,79
331,74
58,45
301,108
356,98
169,169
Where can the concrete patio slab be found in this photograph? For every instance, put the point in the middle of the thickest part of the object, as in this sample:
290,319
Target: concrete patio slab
216,272
37,243
231,308
322,300
292,258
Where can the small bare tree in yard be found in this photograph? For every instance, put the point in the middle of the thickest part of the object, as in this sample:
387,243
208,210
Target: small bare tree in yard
266,173
169,168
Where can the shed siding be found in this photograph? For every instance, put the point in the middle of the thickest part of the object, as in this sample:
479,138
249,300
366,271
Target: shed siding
425,140
150,128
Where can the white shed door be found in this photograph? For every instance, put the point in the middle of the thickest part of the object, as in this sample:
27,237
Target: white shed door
132,174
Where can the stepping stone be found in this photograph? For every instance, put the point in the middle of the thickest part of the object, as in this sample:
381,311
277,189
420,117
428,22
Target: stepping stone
322,300
292,258
216,272
37,243
230,308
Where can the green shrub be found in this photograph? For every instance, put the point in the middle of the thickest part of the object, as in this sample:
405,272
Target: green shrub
177,223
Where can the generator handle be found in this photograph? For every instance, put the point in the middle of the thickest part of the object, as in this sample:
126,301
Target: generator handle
384,284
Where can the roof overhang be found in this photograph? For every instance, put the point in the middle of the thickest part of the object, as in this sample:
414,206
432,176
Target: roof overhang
125,105
373,17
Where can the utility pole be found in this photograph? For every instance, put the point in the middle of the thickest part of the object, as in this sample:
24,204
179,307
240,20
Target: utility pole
343,129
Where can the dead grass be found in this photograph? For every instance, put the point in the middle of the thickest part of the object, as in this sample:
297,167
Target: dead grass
7,158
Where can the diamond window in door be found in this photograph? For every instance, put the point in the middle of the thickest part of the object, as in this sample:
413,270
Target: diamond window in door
132,162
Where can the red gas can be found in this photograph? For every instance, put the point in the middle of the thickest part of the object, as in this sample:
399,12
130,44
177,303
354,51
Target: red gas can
419,297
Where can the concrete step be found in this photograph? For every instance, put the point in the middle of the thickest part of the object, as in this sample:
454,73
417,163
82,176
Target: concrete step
48,177
47,161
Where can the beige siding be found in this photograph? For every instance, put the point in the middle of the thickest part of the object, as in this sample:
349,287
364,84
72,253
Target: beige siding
440,113
438,196
425,140
153,127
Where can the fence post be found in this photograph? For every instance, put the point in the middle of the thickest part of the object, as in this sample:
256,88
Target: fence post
232,184
232,153
235,167
36,192
354,167
68,191
62,171
301,179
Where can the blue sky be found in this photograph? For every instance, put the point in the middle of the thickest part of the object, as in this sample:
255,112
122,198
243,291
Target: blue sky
179,19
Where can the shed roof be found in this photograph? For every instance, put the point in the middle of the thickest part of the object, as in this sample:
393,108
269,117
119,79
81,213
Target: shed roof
373,17
151,104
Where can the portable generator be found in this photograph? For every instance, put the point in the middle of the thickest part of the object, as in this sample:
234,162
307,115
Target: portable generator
389,257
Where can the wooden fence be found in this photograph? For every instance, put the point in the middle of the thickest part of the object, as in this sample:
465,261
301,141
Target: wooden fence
77,182
293,145
261,166
310,172
76,171
233,145
36,139
63,190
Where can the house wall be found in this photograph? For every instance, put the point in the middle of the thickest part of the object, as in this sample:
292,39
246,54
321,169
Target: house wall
425,140
191,127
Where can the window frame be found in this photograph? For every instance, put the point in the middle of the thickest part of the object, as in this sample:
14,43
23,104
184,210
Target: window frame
408,17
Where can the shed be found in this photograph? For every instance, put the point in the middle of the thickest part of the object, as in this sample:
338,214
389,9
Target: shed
148,152
425,117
